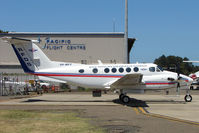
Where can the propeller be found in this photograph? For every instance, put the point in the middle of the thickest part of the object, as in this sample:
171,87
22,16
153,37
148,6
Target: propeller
182,80
178,81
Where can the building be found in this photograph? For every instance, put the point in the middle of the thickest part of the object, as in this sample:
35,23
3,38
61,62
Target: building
84,48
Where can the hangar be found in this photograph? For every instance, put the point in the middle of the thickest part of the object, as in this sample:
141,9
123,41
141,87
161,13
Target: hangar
84,48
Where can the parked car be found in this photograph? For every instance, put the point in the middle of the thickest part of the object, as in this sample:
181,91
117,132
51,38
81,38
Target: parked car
194,85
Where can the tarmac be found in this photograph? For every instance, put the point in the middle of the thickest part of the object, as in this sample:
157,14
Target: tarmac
157,105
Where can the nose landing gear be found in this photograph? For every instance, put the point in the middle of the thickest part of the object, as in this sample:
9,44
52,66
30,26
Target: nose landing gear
188,98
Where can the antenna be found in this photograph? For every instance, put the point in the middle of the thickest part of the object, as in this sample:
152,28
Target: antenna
113,24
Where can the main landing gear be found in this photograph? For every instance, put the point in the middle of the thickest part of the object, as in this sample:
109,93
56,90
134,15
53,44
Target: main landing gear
124,98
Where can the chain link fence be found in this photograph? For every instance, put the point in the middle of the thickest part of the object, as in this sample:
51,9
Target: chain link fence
14,84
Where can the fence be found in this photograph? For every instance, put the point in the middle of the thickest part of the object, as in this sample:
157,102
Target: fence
14,84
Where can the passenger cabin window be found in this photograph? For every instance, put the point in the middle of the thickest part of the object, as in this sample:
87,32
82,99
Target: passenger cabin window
136,69
121,70
114,70
152,69
81,71
95,70
128,69
106,70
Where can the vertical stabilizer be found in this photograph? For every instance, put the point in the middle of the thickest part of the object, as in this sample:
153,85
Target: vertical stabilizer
29,54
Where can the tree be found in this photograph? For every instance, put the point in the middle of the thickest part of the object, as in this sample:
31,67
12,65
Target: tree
176,64
1,31
161,61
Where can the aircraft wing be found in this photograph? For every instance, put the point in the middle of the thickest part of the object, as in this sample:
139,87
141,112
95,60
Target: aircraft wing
128,80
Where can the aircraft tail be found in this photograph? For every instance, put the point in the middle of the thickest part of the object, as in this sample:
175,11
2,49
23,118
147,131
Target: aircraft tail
29,54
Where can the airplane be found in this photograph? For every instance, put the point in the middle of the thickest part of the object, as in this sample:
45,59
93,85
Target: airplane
121,77
9,82
195,77
191,61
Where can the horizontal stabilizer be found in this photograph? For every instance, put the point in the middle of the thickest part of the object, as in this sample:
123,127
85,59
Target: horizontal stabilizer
14,40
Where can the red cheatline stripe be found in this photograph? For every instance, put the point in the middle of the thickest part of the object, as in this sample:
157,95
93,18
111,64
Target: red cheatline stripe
159,83
68,75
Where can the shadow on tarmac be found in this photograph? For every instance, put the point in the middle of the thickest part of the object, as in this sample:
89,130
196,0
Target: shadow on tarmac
139,103
39,100
133,103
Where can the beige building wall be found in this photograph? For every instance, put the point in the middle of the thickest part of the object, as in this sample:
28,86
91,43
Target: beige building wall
71,47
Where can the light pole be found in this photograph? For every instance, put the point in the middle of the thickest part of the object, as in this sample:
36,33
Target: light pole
126,33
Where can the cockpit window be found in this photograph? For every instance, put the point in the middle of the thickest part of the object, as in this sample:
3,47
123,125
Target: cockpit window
152,69
159,69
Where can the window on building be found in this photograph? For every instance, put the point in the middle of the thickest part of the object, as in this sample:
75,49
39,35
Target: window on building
95,70
121,70
83,61
106,70
114,70
113,61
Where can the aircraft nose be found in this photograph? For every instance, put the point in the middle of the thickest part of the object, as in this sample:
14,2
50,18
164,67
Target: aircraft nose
186,78
190,79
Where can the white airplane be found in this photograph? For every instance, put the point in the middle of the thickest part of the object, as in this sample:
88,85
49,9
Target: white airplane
122,77
8,82
191,61
195,75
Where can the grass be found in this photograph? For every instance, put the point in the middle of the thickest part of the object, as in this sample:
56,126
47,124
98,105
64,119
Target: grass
20,121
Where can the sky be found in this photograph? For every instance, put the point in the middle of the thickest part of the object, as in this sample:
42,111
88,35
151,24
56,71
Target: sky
169,27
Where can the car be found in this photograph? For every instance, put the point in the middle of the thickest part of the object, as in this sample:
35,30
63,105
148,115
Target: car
194,85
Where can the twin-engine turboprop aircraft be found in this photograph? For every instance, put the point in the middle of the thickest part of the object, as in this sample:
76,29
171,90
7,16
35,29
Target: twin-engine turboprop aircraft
122,77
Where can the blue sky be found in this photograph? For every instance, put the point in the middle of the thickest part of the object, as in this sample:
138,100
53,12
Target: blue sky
169,27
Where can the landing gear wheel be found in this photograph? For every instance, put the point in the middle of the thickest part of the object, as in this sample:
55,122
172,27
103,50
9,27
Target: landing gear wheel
188,98
125,99
121,96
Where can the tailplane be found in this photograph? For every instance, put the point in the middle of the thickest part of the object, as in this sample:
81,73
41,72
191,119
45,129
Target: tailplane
30,55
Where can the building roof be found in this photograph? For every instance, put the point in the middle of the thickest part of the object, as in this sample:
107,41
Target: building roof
82,34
